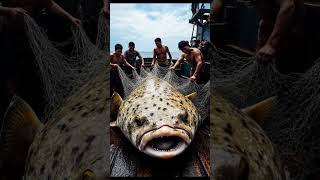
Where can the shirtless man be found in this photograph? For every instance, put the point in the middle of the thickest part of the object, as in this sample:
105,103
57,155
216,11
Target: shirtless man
160,54
117,59
280,31
193,57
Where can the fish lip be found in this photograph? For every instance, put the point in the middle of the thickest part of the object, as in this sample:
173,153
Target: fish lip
138,141
159,133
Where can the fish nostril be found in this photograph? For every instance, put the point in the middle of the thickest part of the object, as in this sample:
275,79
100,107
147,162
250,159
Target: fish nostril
183,116
140,120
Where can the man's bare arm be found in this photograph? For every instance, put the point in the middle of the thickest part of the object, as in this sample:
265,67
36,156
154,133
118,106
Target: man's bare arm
127,64
199,62
170,57
55,8
215,8
142,60
105,9
8,11
178,62
154,56
286,11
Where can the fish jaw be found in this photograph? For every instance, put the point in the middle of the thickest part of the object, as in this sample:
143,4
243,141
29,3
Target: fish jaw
165,142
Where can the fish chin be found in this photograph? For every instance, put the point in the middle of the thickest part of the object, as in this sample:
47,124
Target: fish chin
165,142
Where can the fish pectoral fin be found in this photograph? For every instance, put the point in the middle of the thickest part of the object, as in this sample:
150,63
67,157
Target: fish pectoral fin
88,175
116,102
192,96
260,110
113,124
20,125
228,165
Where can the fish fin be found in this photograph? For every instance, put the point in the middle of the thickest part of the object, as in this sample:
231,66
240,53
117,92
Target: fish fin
192,96
113,124
88,175
260,110
116,102
229,165
20,125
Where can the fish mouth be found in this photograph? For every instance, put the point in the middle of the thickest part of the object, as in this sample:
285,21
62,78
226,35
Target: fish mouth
165,142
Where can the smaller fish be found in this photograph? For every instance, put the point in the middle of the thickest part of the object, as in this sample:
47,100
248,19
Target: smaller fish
156,118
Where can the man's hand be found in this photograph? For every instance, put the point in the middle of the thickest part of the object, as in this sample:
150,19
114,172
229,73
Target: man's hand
266,53
152,64
17,12
142,65
172,68
193,78
75,21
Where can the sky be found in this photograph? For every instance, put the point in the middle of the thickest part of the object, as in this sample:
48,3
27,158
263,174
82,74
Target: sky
143,22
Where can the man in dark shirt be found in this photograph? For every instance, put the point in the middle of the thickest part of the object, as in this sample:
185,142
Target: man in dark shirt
131,55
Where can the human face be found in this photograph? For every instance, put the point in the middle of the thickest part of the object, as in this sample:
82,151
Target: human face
118,52
185,49
158,44
131,48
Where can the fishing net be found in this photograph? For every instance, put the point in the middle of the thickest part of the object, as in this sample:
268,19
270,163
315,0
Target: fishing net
243,80
294,122
183,85
62,74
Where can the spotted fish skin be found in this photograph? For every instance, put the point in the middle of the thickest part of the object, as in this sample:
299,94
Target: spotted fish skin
74,140
239,146
155,104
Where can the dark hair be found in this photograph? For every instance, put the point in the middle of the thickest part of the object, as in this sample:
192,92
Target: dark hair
131,43
118,46
157,40
182,44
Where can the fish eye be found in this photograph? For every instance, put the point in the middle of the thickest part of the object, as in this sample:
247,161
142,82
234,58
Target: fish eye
139,120
184,116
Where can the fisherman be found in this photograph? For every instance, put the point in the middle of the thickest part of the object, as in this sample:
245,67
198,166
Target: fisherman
280,34
117,59
160,54
131,56
193,57
15,50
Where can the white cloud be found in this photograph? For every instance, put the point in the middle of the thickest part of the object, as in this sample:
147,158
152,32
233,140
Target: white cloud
143,23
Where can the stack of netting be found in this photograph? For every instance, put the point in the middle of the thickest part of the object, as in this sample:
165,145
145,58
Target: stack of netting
293,124
183,85
63,75
243,80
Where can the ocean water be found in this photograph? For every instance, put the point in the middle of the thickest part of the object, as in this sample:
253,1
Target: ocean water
175,55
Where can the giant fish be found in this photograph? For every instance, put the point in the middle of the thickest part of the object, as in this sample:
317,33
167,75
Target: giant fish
71,145
240,149
156,118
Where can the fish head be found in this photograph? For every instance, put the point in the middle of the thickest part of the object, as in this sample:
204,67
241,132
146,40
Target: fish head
161,123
